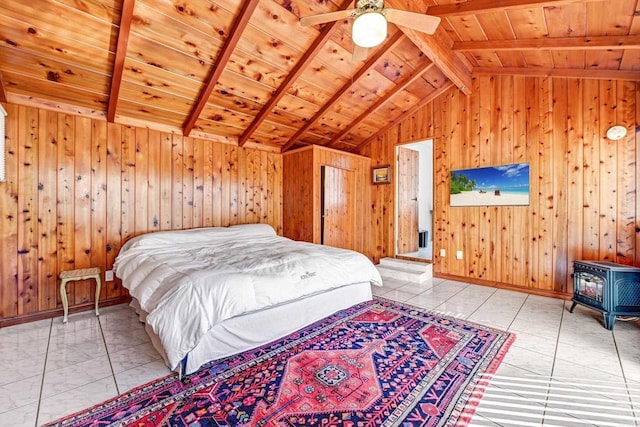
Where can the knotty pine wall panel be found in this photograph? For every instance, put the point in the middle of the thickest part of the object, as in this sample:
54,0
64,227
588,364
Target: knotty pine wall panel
584,202
303,198
78,188
299,208
362,169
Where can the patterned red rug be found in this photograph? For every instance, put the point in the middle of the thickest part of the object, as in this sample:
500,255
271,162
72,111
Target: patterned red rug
377,363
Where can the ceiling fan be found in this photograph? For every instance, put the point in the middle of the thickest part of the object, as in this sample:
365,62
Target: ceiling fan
370,23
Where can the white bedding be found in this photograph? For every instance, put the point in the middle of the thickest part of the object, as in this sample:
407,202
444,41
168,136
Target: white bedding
189,281
257,328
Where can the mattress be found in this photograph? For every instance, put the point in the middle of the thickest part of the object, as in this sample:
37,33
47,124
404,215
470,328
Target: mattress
188,282
252,330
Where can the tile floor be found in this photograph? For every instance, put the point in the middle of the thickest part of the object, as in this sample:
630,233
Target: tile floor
563,370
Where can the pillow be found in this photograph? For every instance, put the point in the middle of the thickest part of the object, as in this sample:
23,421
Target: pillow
206,234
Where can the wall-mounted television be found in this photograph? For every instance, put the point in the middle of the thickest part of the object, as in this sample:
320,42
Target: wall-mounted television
504,185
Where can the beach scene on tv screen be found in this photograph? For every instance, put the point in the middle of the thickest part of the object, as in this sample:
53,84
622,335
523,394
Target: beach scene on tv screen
505,185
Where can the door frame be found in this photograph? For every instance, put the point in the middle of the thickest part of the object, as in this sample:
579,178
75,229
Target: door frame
396,192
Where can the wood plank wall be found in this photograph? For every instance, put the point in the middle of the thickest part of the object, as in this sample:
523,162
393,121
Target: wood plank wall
78,188
298,188
584,202
362,167
301,183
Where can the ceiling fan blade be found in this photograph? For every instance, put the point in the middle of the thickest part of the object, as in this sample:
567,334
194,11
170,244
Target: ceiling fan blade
326,17
359,53
416,21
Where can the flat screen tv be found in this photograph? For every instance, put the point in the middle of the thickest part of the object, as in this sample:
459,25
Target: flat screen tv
504,185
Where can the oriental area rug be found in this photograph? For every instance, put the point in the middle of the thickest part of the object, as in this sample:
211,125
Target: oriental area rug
378,363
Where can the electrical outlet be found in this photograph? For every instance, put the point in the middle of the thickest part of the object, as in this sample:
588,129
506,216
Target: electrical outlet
443,253
458,254
108,276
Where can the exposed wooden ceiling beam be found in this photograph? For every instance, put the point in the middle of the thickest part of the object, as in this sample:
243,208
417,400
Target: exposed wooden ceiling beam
444,58
293,75
240,23
559,43
380,102
121,54
3,91
437,48
442,89
371,62
562,72
473,7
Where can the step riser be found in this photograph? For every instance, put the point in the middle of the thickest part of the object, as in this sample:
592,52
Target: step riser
404,275
405,270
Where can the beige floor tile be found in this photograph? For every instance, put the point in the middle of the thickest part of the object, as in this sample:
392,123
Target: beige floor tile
26,367
126,380
77,399
20,393
131,357
76,375
24,416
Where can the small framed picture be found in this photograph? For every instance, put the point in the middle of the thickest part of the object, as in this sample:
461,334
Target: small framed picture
381,174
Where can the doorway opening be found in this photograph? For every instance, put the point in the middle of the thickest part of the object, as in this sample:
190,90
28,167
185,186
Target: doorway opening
414,201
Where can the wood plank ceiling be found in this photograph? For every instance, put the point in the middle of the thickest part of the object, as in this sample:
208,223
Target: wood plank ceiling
246,72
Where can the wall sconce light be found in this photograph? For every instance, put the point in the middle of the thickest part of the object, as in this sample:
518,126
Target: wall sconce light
3,114
615,133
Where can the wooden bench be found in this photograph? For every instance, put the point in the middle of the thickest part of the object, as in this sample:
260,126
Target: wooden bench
78,274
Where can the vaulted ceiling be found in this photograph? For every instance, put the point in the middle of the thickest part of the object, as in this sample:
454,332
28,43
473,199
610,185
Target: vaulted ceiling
247,72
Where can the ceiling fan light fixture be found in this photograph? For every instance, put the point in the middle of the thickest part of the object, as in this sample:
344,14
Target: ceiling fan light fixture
369,29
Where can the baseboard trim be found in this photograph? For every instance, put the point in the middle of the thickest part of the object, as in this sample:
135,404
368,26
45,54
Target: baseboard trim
32,317
500,285
56,312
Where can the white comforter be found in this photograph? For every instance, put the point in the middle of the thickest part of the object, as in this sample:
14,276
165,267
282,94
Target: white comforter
188,281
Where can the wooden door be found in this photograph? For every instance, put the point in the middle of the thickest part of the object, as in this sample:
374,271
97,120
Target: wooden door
408,161
338,207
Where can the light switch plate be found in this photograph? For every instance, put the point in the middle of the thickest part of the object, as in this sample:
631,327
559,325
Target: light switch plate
443,252
108,275
459,255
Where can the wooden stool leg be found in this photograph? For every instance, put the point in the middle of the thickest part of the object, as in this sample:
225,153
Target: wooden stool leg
63,297
98,286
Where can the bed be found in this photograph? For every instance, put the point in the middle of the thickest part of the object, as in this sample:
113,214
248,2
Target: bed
209,293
